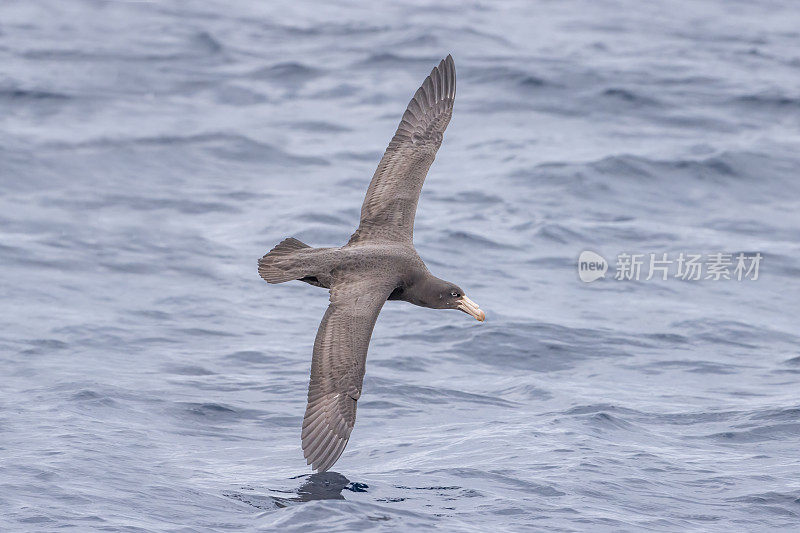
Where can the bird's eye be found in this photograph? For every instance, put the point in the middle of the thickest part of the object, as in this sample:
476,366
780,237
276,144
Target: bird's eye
453,294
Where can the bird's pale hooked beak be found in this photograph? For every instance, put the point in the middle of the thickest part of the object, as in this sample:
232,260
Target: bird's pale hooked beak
471,308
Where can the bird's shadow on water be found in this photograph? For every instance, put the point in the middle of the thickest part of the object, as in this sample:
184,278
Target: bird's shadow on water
321,486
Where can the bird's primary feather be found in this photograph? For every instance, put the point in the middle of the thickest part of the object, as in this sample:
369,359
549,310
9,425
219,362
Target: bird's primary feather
337,368
387,213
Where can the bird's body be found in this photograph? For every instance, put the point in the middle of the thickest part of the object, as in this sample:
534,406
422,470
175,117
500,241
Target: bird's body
324,266
379,263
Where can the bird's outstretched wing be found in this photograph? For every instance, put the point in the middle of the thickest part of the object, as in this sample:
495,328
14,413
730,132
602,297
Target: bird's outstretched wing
337,369
391,202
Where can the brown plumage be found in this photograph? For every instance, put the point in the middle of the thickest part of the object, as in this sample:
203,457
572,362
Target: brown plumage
378,263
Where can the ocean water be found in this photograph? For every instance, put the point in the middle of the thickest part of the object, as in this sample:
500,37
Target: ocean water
150,152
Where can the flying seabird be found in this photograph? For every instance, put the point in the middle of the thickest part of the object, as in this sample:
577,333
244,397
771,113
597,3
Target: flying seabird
378,263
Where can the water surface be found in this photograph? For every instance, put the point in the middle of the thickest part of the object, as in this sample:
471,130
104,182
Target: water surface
151,152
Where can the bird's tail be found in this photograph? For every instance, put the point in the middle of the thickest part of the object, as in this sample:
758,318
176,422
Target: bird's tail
281,263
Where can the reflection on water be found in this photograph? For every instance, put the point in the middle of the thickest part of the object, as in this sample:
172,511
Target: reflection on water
319,486
322,486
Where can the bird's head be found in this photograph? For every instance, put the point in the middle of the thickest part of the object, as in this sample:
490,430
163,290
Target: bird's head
445,295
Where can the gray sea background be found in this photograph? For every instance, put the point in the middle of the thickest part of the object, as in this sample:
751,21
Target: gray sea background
151,152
